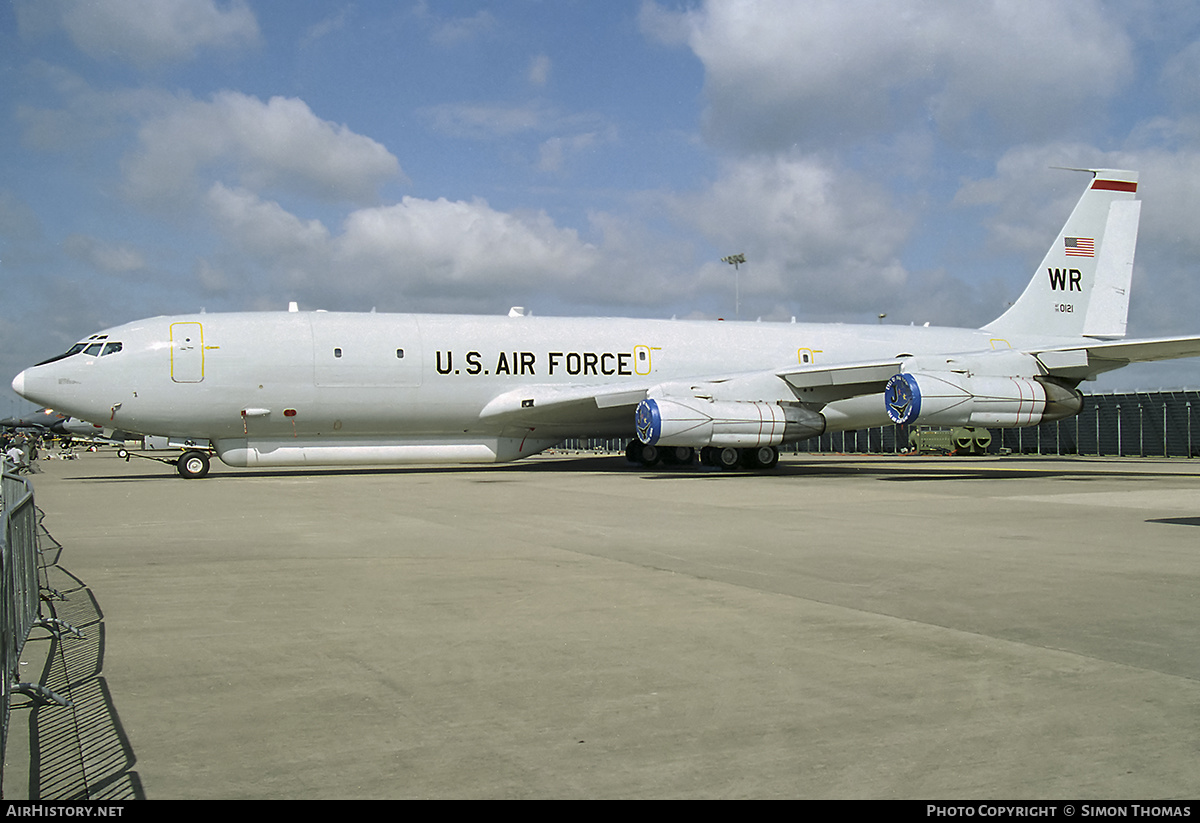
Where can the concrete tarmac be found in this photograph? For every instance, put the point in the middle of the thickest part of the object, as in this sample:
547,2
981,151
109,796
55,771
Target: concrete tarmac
572,627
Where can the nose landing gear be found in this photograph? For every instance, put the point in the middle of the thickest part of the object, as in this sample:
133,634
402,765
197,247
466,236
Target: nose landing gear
193,463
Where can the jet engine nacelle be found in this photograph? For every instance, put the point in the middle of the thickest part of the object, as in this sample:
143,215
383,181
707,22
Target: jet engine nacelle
699,422
963,399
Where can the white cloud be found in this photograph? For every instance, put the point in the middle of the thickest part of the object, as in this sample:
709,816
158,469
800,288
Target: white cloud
455,247
452,31
325,27
265,230
110,258
810,232
416,248
21,236
552,154
571,133
143,32
539,70
279,144
211,279
484,121
87,115
780,72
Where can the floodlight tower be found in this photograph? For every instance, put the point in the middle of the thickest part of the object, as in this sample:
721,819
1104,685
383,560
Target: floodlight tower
736,260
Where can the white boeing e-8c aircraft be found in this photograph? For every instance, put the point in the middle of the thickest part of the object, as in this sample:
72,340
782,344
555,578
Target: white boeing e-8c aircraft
327,388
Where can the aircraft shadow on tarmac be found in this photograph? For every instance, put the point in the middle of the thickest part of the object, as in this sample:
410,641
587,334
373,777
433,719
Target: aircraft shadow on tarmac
1177,521
80,751
898,469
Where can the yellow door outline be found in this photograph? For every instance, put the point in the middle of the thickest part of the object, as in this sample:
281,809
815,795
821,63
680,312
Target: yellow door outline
642,361
187,352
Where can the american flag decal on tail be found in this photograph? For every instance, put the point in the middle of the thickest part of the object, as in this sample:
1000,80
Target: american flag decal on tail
1080,246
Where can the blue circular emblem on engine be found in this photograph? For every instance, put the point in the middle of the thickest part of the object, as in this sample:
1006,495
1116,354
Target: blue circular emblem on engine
902,398
648,422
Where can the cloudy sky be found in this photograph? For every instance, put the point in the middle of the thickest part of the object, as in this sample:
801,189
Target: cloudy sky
582,157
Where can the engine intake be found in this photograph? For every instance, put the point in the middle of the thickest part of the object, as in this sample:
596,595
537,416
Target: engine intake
698,422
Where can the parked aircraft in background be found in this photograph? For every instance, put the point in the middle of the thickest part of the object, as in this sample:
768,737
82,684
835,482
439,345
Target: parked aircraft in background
55,424
328,388
42,420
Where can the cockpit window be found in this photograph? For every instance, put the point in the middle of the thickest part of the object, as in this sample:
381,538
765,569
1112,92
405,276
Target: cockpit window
76,349
94,345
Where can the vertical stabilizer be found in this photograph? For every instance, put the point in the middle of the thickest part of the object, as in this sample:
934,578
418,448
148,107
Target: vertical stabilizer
1082,286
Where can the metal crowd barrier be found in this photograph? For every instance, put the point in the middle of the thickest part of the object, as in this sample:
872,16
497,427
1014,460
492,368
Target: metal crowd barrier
21,607
18,582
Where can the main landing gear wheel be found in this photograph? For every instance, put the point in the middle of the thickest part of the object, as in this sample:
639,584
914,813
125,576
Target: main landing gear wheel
643,453
727,458
678,455
764,457
192,464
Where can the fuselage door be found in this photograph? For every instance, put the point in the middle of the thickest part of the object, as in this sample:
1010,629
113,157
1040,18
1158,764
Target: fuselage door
187,353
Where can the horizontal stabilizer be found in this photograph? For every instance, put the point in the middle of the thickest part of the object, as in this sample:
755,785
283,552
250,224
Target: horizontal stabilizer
1088,360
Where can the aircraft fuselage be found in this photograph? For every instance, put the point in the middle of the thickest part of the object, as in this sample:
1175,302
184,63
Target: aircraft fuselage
255,383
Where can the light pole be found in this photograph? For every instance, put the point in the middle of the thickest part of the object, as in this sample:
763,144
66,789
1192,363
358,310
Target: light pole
736,260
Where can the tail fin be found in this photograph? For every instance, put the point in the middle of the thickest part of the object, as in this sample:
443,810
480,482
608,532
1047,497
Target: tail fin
1082,286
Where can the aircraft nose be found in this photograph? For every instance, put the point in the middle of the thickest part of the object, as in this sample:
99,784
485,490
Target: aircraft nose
18,384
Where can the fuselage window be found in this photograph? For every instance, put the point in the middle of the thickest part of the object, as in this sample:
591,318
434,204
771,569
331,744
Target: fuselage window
400,353
337,352
110,348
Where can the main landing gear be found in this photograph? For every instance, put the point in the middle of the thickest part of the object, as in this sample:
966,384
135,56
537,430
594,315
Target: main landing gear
728,458
647,455
193,463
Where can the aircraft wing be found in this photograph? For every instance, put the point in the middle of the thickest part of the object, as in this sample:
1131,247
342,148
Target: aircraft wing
821,385
565,408
553,408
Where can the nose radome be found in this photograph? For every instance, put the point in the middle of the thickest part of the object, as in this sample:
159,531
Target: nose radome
18,384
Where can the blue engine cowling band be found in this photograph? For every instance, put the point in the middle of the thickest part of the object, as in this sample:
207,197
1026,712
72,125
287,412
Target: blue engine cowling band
902,398
648,422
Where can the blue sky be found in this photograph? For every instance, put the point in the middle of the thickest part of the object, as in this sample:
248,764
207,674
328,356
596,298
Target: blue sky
582,157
